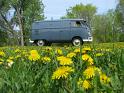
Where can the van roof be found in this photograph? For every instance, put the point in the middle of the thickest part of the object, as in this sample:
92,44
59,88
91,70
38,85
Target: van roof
61,20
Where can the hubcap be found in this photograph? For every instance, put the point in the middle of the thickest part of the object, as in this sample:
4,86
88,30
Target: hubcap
40,43
77,42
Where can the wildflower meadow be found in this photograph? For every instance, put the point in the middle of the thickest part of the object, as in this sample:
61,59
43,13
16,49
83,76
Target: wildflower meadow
68,69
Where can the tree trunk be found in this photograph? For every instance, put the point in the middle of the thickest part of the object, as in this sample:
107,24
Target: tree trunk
20,26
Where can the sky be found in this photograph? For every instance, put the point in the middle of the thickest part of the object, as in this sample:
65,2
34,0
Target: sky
54,9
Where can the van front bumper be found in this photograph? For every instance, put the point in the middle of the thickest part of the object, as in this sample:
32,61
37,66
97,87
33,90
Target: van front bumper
90,39
31,41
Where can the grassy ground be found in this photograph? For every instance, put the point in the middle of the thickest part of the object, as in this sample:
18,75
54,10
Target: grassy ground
108,45
96,45
93,68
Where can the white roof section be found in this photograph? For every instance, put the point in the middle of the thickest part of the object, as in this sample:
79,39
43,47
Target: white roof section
61,20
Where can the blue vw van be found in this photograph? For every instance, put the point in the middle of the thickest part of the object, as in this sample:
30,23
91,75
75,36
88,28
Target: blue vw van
75,31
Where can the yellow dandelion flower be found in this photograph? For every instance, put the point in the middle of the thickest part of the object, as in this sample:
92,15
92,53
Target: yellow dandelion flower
33,51
90,60
66,61
59,52
34,55
2,53
83,51
11,58
17,50
62,72
85,57
104,79
60,58
87,48
70,55
86,84
46,59
89,72
77,50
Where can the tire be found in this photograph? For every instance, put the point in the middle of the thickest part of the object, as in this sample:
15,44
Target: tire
41,42
77,41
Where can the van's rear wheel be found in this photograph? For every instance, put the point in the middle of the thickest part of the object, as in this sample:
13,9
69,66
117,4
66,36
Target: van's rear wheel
77,41
41,42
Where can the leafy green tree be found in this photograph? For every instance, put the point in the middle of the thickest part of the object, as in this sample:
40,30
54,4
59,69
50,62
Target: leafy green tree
25,13
85,12
120,18
107,30
5,24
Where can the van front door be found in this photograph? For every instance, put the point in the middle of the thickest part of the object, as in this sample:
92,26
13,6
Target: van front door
77,29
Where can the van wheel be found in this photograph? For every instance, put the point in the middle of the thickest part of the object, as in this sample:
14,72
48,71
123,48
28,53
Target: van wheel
41,42
77,41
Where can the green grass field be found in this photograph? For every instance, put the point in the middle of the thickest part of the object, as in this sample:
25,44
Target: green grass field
92,68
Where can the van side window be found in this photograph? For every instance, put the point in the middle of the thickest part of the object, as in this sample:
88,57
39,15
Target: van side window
76,24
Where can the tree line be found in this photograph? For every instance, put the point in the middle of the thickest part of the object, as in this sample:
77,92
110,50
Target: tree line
107,27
